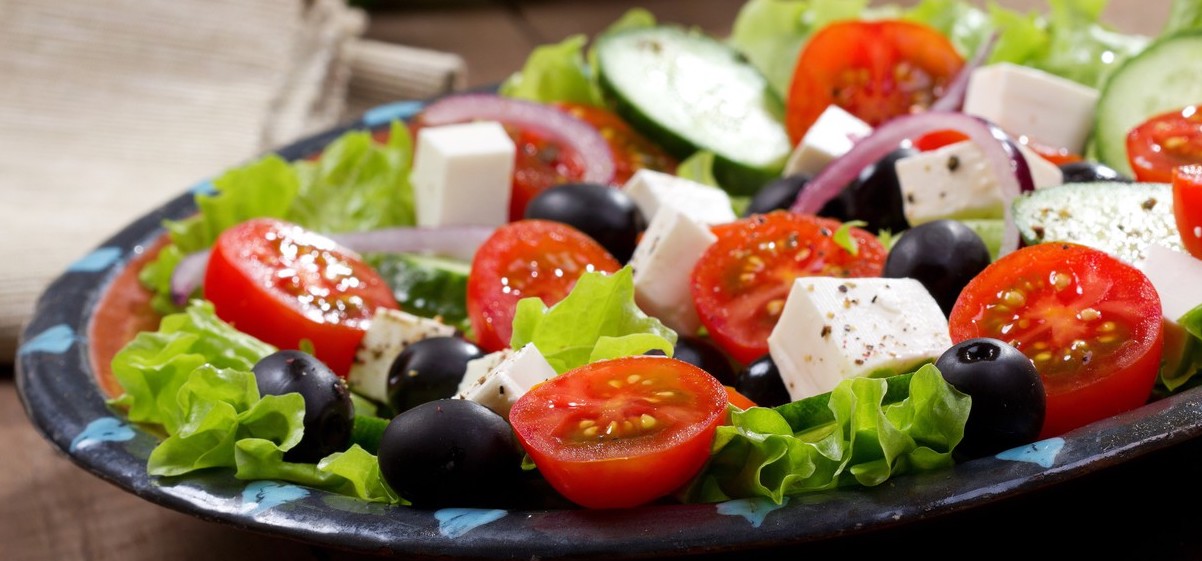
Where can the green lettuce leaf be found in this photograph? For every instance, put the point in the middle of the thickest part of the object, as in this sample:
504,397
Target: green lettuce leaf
1080,48
355,472
598,319
759,454
1184,15
1182,353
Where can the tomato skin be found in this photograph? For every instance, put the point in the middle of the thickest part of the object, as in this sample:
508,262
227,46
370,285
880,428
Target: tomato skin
1089,322
1187,207
523,259
632,151
1164,142
312,289
740,283
666,442
876,70
737,399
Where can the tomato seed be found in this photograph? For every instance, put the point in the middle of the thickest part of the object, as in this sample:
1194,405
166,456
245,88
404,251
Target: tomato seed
1089,314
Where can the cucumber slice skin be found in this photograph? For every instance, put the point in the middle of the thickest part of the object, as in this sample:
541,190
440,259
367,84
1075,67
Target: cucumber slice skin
737,175
1165,76
426,286
1119,218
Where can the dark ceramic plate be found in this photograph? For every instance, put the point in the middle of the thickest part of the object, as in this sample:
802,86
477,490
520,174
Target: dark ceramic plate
62,397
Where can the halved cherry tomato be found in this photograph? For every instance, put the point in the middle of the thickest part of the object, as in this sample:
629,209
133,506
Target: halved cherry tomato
623,432
1187,207
1055,155
935,140
876,70
737,399
1089,322
522,259
740,283
284,284
1164,142
632,151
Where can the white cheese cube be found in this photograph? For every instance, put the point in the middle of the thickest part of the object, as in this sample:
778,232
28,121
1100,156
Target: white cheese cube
835,328
663,264
510,378
1177,277
462,174
652,190
1044,107
830,137
390,332
957,181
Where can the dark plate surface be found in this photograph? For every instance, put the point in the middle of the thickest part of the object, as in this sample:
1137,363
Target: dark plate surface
62,398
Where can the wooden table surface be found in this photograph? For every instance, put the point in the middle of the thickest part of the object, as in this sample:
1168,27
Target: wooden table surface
50,509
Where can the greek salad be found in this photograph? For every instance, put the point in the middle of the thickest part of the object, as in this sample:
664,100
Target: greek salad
843,244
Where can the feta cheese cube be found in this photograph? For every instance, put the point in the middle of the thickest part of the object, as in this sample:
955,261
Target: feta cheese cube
835,328
510,374
1177,277
830,137
462,174
1044,107
957,181
663,264
652,190
390,332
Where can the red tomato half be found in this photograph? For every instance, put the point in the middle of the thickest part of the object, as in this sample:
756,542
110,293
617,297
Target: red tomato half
284,284
1089,322
1164,142
740,283
623,432
522,259
876,70
632,151
1187,207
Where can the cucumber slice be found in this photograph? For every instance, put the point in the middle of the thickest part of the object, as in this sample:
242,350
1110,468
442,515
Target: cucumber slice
367,431
1122,219
426,286
689,92
1165,76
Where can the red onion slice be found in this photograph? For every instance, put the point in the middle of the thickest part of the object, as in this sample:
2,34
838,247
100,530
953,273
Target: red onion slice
1008,164
953,96
188,276
457,242
582,138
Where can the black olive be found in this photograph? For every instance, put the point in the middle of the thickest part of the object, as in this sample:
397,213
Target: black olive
1008,400
429,369
705,355
451,452
760,382
329,412
943,255
606,214
1089,172
874,196
777,194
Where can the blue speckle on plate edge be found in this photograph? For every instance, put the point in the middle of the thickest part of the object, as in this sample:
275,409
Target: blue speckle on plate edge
260,496
1043,452
104,429
99,260
455,522
754,510
384,114
56,340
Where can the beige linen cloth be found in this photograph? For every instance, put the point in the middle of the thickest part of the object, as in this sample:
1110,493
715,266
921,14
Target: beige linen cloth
109,108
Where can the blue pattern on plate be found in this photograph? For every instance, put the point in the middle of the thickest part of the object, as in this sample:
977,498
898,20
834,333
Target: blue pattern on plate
96,261
1043,452
755,510
205,187
260,496
56,339
104,429
455,522
384,114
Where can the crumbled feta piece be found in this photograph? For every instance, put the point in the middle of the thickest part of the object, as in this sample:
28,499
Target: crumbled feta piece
510,374
830,137
652,190
1046,108
1177,277
835,328
463,174
390,332
663,264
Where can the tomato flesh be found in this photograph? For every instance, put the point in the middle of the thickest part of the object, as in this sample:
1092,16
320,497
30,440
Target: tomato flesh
1187,207
740,283
1090,323
876,70
1164,142
283,284
623,432
527,258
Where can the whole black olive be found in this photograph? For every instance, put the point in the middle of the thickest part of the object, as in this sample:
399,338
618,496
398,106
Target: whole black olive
329,412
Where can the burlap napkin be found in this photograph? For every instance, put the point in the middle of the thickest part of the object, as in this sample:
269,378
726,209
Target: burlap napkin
108,108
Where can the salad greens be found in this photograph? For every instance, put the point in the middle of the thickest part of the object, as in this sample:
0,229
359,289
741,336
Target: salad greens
597,320
759,454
